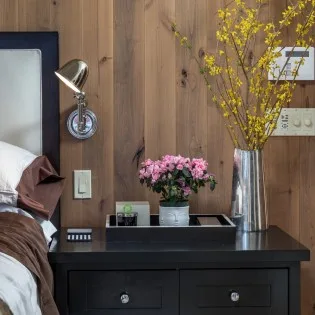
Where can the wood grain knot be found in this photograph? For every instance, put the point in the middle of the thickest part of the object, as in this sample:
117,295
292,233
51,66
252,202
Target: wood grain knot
148,4
290,191
104,59
221,162
184,73
251,57
139,153
182,83
54,3
201,53
102,205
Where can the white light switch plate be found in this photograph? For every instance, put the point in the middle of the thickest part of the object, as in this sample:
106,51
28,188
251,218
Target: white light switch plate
82,187
296,122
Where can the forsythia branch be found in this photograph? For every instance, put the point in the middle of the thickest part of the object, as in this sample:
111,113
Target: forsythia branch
251,122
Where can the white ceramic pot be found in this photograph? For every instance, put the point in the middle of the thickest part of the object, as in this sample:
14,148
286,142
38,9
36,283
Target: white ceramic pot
174,216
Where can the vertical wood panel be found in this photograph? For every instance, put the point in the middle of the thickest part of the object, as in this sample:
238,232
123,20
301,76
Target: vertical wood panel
160,114
282,182
307,205
191,91
91,212
307,224
94,153
35,15
70,46
9,15
160,100
220,146
282,163
129,97
105,112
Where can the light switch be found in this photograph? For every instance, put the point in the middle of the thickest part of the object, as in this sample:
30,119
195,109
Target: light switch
296,122
82,184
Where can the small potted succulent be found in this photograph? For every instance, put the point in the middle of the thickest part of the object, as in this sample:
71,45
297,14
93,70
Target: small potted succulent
176,178
127,217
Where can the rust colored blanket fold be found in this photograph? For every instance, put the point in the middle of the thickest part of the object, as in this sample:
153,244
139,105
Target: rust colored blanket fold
22,238
4,309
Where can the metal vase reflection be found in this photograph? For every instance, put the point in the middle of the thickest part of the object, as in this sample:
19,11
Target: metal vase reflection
252,241
248,190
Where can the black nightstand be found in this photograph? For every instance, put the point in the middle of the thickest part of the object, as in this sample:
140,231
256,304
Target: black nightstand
260,275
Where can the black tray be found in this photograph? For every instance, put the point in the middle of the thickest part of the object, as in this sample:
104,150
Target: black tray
219,231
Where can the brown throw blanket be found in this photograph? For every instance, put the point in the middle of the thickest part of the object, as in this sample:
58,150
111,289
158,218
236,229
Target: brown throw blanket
4,309
22,238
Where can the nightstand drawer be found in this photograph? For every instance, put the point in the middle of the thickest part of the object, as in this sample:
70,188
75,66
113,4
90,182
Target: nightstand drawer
234,292
131,292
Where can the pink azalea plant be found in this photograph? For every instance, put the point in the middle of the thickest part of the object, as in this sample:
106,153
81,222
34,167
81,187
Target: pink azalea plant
175,177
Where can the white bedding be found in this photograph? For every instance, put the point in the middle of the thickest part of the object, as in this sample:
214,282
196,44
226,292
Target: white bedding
18,288
13,162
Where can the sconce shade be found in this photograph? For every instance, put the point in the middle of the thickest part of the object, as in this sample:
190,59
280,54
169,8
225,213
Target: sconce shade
74,74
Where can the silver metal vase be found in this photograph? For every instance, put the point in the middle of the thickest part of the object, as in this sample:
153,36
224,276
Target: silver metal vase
248,190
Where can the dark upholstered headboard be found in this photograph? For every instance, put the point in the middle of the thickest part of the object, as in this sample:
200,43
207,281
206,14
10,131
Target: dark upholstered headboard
46,45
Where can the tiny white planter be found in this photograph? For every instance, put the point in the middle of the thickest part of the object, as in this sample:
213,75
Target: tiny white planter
174,216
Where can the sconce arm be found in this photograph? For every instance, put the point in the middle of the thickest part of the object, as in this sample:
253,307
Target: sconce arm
82,104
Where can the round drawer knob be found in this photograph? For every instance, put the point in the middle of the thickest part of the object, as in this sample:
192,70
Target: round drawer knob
124,298
235,297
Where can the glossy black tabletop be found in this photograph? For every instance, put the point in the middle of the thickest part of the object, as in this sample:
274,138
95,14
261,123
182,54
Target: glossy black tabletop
273,245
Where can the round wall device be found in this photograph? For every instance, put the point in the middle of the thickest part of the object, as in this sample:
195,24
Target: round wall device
90,124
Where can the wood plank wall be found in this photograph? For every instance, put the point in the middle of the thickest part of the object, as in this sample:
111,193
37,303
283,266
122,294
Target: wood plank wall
145,90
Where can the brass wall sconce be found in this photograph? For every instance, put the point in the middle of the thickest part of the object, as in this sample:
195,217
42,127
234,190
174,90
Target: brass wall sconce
82,122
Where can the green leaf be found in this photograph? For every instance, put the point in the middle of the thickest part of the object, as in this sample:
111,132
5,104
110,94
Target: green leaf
186,172
212,185
172,193
158,189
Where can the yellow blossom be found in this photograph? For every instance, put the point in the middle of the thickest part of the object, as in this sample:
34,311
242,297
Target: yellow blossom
237,75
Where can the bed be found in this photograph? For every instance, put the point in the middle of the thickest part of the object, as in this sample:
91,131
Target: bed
30,186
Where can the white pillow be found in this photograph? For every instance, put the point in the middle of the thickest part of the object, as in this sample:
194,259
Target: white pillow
13,162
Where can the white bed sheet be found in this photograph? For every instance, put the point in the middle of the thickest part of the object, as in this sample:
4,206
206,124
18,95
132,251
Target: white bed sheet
18,287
